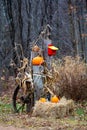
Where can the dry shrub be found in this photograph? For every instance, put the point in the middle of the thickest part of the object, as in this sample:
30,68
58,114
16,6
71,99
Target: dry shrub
70,77
55,110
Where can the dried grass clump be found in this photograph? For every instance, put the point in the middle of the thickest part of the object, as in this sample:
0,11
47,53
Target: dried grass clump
70,77
55,110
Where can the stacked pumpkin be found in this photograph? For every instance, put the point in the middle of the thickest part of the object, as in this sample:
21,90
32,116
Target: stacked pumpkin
38,60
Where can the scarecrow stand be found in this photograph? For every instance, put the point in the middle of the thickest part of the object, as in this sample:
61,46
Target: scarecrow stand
40,67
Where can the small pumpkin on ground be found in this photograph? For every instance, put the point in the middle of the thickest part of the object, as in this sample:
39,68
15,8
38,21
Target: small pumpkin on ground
55,99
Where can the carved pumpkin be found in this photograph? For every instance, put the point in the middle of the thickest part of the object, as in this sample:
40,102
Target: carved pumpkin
55,99
42,99
37,60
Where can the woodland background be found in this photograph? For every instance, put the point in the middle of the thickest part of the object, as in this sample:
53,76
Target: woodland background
21,21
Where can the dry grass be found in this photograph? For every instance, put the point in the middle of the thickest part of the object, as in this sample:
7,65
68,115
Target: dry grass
55,110
70,78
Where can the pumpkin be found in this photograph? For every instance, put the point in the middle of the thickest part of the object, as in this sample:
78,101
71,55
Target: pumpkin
55,99
35,48
37,60
42,99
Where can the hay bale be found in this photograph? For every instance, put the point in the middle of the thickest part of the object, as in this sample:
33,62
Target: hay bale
55,110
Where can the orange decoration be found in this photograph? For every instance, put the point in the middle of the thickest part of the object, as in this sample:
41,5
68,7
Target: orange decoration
42,100
37,60
55,99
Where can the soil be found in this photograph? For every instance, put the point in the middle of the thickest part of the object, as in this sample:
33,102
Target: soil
10,128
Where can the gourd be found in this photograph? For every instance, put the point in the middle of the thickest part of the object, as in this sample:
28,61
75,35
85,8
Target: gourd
35,48
55,99
37,60
42,99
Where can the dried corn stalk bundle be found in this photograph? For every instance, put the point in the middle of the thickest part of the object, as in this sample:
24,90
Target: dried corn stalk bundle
55,110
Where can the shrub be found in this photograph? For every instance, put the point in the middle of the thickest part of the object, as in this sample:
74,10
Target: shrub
70,76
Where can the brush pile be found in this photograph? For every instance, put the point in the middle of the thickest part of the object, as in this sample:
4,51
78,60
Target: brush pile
70,77
55,110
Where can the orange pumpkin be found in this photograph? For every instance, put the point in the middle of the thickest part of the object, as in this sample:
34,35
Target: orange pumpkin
42,99
37,60
55,99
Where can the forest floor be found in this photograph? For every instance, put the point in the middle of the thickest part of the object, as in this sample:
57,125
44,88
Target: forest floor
25,121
